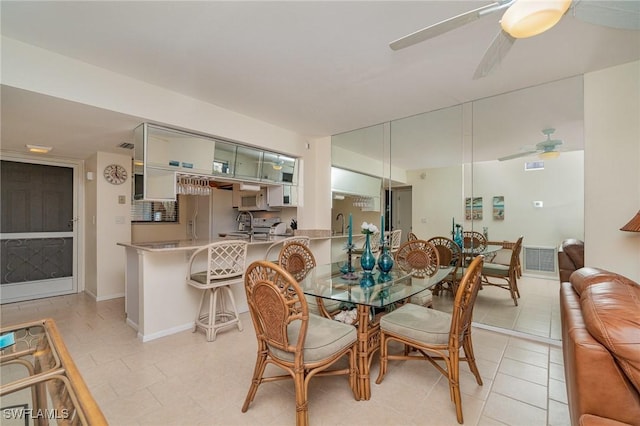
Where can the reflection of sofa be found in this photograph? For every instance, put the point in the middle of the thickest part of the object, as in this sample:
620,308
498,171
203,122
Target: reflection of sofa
600,314
570,257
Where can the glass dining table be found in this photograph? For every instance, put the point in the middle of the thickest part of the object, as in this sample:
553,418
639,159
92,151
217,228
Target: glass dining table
372,295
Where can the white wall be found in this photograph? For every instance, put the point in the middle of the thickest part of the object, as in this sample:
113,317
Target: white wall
612,168
107,222
90,227
560,187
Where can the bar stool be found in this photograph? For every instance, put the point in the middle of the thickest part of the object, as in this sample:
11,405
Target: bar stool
225,266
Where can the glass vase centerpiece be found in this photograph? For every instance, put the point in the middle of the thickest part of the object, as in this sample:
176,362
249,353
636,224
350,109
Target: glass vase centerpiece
385,261
368,260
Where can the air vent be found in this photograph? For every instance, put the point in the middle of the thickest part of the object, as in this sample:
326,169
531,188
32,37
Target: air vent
126,145
540,259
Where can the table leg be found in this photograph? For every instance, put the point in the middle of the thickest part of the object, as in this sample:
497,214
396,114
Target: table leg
368,344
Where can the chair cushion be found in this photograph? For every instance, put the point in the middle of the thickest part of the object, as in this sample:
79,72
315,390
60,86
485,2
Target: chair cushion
418,323
201,277
495,270
329,304
502,257
325,337
423,298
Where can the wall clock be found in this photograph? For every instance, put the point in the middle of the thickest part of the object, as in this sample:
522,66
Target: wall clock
115,174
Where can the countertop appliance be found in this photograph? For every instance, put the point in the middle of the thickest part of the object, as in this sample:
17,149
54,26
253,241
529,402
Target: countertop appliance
279,228
264,225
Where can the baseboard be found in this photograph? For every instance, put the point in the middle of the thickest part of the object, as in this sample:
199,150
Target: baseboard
167,332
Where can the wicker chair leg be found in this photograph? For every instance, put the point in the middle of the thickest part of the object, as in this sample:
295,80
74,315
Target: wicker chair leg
302,408
258,372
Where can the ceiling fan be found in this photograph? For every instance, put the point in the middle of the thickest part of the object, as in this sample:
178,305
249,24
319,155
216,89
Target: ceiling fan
546,149
526,18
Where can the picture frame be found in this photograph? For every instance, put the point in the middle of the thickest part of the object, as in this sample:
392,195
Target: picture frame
498,207
473,208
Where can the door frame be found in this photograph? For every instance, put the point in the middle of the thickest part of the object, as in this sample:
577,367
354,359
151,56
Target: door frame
77,167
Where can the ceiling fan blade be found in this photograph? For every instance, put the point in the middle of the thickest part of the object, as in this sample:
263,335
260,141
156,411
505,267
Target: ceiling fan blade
494,54
520,154
448,25
609,13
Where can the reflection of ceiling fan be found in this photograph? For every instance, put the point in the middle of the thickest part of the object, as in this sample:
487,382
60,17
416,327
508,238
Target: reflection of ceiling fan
546,149
526,18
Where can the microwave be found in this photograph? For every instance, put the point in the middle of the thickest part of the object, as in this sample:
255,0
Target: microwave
253,201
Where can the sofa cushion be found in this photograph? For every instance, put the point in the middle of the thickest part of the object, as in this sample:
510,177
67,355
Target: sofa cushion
611,311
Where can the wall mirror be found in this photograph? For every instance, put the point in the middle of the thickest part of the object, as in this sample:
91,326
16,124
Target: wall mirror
433,162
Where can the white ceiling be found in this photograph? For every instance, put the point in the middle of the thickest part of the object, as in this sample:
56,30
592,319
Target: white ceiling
317,68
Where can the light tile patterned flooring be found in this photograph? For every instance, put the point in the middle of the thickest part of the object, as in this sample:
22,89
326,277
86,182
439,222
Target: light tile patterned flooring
184,380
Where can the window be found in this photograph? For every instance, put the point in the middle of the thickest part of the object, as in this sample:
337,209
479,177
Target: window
534,165
154,211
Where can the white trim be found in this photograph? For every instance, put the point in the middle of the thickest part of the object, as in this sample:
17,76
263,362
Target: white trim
167,332
109,297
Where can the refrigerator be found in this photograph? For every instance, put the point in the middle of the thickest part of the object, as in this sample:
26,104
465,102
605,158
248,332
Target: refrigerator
209,215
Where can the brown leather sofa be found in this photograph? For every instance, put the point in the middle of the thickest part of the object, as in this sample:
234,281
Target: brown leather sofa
600,313
570,257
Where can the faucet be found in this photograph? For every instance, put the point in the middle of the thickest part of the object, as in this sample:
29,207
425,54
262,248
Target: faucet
241,218
341,216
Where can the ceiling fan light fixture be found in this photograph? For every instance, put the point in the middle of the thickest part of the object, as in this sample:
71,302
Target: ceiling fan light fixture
549,155
526,18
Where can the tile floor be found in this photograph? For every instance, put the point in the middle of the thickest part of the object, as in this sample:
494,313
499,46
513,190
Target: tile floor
184,380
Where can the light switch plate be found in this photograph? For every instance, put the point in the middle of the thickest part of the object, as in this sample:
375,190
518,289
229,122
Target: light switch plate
538,204
121,199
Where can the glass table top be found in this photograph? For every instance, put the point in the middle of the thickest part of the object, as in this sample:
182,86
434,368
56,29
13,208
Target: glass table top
327,281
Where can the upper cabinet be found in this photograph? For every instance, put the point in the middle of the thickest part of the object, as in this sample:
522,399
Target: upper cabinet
175,150
278,168
161,153
248,163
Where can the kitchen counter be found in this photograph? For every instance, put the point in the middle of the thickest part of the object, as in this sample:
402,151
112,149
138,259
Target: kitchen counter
158,301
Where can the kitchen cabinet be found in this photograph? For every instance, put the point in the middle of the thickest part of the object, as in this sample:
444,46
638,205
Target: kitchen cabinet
224,159
282,196
174,150
278,168
364,189
160,154
248,163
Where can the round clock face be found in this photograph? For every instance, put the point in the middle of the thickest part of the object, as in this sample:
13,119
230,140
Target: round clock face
115,174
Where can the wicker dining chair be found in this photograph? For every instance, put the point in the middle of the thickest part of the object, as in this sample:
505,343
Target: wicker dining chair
274,249
450,255
507,275
225,265
421,259
298,259
474,242
411,236
436,335
304,345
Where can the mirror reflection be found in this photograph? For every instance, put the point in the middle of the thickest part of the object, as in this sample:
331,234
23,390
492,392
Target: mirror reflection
482,165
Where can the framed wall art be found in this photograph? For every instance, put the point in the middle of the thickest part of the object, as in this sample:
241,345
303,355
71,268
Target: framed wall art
498,207
473,208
